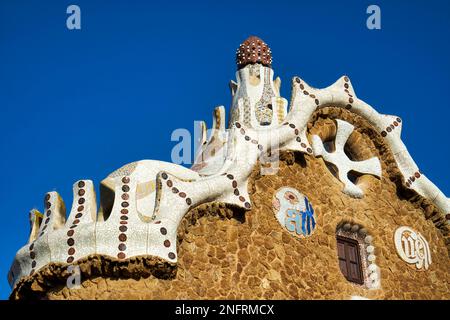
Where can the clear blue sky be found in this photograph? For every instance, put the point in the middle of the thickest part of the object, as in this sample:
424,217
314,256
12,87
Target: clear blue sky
80,104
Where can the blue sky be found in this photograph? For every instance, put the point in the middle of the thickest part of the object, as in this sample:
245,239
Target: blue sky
80,104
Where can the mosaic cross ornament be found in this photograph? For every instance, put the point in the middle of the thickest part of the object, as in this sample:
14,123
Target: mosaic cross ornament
294,212
342,162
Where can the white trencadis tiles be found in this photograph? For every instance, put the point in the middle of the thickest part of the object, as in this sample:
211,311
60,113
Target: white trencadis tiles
342,161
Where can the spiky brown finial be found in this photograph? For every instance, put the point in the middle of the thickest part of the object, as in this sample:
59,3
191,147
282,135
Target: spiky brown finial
253,50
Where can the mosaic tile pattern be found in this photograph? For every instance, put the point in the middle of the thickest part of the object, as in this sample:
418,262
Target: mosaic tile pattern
412,248
294,212
151,221
342,162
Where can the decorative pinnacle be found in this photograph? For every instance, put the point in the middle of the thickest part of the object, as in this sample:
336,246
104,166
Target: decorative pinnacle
253,50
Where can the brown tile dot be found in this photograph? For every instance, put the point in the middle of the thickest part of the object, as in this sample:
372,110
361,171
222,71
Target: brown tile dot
32,255
396,123
303,145
81,201
123,218
234,184
70,259
254,141
388,129
302,86
297,80
317,101
47,220
48,205
166,243
182,195
392,126
346,86
348,107
171,255
312,96
123,222
399,120
298,139
79,215
49,212
292,125
125,204
126,180
350,100
70,233
242,131
296,131
417,175
71,251
169,183
230,176
164,175
247,138
123,229
73,226
163,231
81,184
346,79
121,255
31,272
33,264
81,192
247,205
76,221
125,196
175,190
125,188
157,222
309,150
47,197
236,192
31,247
122,247
238,125
44,227
80,208
383,133
123,237
188,201
70,242
305,93
124,211
241,198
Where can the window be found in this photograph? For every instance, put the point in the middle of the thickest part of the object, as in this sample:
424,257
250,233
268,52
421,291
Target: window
350,259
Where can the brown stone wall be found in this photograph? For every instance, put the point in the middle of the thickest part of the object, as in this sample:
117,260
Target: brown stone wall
228,254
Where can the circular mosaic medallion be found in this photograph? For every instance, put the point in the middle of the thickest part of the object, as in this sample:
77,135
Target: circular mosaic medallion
294,212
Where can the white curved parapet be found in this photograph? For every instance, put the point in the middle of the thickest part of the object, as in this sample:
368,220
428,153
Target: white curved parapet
152,197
